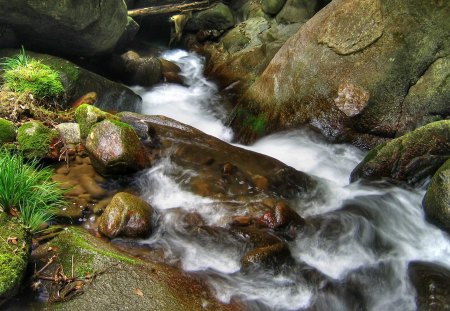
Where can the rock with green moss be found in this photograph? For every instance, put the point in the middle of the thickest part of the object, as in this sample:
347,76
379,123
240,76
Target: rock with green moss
218,17
127,216
77,82
8,131
35,138
410,158
120,280
73,27
114,148
437,199
14,253
272,7
87,115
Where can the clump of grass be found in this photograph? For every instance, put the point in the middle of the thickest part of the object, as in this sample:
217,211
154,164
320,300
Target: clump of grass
28,75
28,190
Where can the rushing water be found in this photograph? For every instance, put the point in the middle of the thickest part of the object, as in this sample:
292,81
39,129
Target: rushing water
364,236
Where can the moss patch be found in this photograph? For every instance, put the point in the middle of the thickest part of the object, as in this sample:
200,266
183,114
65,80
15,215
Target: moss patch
7,131
35,138
256,123
14,253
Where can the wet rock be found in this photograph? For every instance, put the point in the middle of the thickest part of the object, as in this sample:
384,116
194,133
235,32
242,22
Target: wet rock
126,216
8,131
411,158
87,115
78,28
114,148
437,199
254,237
35,140
88,98
143,71
77,82
170,72
335,51
268,257
14,253
120,279
223,170
432,284
218,17
281,217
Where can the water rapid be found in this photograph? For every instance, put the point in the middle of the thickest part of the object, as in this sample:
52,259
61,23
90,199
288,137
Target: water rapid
361,238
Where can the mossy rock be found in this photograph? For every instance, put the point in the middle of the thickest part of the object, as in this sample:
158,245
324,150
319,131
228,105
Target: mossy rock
411,158
437,199
35,138
272,7
121,280
8,131
87,115
14,254
114,148
218,17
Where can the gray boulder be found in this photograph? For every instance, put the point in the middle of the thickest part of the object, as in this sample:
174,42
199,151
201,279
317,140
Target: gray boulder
71,27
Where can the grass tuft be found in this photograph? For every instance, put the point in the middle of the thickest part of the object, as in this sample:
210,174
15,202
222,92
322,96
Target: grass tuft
29,189
27,75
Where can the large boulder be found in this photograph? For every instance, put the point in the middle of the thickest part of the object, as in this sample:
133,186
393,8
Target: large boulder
110,279
357,70
14,253
114,148
219,17
77,82
437,199
72,27
127,216
411,158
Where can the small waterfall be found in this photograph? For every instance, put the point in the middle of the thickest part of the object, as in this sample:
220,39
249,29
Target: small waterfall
362,235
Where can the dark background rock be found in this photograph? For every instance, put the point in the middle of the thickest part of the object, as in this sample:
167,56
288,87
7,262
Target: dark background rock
72,27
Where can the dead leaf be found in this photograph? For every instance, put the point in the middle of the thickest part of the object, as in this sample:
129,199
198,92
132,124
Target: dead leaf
12,240
14,212
138,292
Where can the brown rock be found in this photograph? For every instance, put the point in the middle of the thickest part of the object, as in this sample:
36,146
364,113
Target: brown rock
126,215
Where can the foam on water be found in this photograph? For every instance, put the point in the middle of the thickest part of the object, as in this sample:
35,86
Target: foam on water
363,234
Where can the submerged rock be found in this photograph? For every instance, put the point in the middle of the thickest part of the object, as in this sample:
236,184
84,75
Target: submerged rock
437,199
411,158
14,253
114,148
126,216
381,58
432,284
76,27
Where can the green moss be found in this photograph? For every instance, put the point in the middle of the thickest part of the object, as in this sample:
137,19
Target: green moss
7,131
255,123
34,139
13,257
35,78
89,253
87,115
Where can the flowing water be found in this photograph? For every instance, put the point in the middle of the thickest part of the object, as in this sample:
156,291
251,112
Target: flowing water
364,234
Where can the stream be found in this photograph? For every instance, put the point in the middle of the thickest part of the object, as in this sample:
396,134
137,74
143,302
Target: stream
364,234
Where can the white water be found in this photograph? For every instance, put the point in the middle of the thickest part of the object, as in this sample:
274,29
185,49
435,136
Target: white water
368,244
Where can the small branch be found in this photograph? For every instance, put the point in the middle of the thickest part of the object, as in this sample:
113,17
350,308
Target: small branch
171,8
